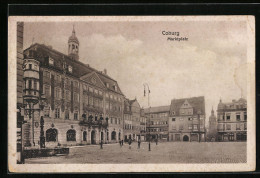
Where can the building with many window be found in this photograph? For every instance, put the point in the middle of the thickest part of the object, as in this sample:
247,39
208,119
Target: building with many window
134,121
232,120
187,119
157,123
83,106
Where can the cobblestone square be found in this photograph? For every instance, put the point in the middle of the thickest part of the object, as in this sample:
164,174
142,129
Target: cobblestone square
166,152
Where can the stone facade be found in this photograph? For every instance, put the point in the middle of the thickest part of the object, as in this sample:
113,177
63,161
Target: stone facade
134,127
232,120
83,105
187,119
157,123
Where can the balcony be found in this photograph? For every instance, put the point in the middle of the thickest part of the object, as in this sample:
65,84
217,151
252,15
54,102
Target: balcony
98,123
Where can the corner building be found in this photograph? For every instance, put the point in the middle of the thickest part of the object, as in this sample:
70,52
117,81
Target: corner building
232,120
187,119
83,106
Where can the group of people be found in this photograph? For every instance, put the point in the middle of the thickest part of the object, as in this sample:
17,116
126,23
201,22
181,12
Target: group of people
121,142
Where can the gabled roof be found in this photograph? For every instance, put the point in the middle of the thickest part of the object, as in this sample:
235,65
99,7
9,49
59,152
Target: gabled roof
79,69
88,77
197,103
157,109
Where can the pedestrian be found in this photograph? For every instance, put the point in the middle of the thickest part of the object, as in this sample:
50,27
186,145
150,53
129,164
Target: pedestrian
122,142
156,140
101,144
129,142
139,143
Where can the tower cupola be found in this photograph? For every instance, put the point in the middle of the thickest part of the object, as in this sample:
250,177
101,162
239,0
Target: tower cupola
73,46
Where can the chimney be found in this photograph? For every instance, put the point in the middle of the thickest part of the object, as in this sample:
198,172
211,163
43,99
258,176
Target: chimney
105,71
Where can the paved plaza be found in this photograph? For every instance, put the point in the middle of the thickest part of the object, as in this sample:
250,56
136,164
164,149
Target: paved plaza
167,152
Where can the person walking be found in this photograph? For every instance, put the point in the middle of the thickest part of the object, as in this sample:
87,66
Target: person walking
139,143
130,142
120,142
101,144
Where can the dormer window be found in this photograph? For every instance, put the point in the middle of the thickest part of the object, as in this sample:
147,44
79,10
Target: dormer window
51,61
115,87
70,69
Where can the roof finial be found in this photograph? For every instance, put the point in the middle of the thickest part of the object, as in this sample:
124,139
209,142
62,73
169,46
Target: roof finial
73,31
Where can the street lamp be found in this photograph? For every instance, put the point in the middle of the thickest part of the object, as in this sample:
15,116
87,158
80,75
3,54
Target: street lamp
199,113
147,86
42,105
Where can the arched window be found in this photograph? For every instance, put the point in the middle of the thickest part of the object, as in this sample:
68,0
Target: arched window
51,135
113,135
71,135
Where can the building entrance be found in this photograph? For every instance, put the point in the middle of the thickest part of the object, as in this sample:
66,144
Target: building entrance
93,137
185,138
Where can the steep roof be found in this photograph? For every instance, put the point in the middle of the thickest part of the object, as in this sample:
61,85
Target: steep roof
157,109
235,104
197,103
79,69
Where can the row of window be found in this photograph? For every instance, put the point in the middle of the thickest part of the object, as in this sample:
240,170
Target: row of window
113,97
65,66
57,113
159,115
92,101
113,107
158,122
157,129
228,116
31,67
189,119
190,127
239,126
115,120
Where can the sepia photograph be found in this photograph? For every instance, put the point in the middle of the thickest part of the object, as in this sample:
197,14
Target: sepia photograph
131,94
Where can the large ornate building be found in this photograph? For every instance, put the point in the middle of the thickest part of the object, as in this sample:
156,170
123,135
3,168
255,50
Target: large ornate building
83,105
232,120
157,123
187,119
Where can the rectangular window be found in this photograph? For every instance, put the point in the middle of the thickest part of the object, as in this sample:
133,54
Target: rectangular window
51,61
181,127
76,97
47,90
107,105
57,93
238,117
67,95
90,89
47,111
228,117
228,126
90,100
111,120
190,127
245,126
237,126
35,84
190,119
76,116
58,79
245,116
181,119
173,119
86,99
70,69
96,91
57,113
195,127
30,66
76,84
67,115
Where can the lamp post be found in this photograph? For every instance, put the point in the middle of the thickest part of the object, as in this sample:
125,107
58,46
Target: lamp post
147,86
42,105
199,123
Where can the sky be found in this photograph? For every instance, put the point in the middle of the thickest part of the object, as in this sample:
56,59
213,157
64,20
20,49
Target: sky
212,63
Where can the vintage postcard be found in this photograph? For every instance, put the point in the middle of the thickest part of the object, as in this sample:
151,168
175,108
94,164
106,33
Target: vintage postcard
131,94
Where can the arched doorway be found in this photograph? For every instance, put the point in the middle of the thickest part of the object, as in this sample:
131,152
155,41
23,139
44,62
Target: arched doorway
185,138
51,135
93,137
84,136
113,135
